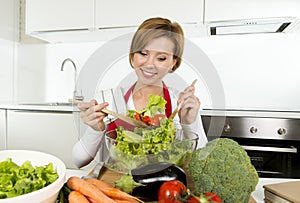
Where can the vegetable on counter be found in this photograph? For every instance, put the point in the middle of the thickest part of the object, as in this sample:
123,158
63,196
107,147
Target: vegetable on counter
223,167
149,179
95,191
112,192
17,180
175,191
204,198
171,192
88,189
77,197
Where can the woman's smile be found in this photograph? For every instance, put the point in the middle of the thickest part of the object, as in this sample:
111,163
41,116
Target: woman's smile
148,74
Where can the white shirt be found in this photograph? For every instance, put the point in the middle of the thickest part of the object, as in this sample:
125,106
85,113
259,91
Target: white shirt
85,150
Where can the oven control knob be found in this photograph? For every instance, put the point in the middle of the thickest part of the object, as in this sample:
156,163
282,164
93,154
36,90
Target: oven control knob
281,131
253,130
227,128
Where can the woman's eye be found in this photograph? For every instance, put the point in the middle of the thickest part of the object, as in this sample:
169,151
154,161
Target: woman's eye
162,58
142,53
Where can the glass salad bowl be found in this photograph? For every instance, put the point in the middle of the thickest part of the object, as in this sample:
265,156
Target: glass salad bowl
128,154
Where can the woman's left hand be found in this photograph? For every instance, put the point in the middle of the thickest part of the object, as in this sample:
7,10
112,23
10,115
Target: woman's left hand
190,107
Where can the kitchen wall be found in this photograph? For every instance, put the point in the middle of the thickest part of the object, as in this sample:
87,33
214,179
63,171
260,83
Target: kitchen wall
8,48
257,71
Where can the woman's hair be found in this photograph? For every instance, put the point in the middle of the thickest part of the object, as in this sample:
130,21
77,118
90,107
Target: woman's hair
153,28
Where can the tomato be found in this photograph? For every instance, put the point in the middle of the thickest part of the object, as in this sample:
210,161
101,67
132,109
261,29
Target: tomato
208,197
213,197
171,191
137,116
147,119
157,118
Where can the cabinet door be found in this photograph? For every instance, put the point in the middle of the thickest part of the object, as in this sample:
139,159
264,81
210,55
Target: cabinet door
115,13
2,129
218,10
53,133
51,15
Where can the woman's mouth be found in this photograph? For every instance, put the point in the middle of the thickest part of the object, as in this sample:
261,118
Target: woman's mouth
148,73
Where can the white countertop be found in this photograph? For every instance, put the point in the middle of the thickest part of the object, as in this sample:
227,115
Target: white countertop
42,106
258,194
47,106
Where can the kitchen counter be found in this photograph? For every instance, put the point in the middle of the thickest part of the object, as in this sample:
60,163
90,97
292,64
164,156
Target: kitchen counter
42,106
258,194
65,106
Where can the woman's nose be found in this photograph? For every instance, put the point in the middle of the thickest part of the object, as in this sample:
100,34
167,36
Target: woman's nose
150,62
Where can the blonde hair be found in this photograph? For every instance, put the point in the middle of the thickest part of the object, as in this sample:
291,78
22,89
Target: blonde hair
153,28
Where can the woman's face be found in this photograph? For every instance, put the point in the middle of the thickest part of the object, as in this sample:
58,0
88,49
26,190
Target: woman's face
153,62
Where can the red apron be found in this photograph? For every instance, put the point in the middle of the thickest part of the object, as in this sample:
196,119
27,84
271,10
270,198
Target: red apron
168,109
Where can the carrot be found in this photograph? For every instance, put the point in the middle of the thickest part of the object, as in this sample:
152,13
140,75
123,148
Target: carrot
77,197
124,201
111,191
88,189
91,200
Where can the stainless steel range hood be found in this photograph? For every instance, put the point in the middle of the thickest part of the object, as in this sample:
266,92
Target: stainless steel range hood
252,26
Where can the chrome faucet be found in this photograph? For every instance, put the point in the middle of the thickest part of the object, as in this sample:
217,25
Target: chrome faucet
77,95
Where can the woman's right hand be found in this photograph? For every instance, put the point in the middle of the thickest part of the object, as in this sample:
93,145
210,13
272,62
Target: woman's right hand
91,114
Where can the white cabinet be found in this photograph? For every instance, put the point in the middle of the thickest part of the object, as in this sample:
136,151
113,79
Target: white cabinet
117,13
84,20
51,132
220,10
2,129
53,15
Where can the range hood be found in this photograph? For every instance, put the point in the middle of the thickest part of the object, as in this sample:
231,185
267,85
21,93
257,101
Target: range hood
252,26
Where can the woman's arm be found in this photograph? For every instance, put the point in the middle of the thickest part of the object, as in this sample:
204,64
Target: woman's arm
86,148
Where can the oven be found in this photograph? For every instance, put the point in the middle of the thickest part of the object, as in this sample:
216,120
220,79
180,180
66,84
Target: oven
273,144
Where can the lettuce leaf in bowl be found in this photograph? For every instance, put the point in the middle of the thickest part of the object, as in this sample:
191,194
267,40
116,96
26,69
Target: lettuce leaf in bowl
17,180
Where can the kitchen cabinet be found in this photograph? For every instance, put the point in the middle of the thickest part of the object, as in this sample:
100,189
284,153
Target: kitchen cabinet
2,129
68,20
216,10
46,131
116,13
53,15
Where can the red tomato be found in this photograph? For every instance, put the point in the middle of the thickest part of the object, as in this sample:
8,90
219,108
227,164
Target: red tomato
208,197
147,119
213,197
157,118
137,116
171,191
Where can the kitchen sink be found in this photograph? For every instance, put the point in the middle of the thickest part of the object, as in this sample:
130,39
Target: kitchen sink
49,104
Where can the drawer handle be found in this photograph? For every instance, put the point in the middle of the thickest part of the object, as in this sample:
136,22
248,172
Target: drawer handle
270,149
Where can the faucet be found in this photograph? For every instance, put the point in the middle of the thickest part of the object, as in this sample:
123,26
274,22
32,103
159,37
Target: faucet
76,94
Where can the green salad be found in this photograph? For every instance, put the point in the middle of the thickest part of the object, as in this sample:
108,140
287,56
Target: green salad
156,144
17,180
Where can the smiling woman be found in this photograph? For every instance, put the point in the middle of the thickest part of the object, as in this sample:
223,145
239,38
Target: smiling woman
156,50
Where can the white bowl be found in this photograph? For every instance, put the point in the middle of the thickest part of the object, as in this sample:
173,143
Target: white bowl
47,194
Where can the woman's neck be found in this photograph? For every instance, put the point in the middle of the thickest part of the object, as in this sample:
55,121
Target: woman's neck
141,93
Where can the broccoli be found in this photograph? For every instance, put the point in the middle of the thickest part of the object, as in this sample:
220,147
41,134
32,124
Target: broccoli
223,167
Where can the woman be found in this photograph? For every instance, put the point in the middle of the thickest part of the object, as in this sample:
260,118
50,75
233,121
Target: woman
156,50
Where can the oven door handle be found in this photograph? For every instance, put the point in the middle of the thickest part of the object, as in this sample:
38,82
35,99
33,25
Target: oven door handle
270,149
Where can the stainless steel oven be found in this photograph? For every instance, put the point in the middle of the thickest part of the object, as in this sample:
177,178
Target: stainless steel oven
273,144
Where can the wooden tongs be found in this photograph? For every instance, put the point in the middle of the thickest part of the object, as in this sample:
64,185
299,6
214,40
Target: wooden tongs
127,119
122,117
135,122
